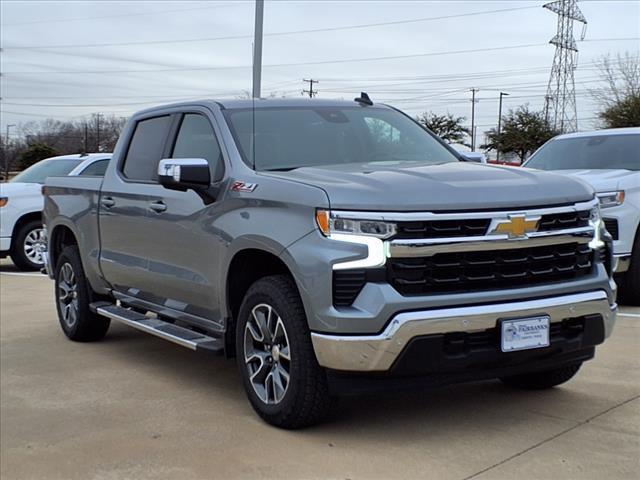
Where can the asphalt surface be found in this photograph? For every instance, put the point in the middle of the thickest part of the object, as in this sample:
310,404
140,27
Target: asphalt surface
133,406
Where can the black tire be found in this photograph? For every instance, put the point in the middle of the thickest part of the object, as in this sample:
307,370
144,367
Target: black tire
83,325
542,380
306,399
629,281
18,254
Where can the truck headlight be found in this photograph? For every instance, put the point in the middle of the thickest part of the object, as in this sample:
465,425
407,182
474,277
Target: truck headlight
610,199
370,233
332,223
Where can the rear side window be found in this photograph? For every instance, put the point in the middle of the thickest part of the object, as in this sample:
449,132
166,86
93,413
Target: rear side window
96,169
196,139
146,148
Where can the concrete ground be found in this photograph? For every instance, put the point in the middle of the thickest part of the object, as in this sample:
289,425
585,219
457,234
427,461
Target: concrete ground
133,406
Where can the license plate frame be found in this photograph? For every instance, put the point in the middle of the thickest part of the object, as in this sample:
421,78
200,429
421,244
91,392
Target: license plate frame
524,333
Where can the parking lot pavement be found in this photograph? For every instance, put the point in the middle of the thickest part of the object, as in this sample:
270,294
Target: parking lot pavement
133,406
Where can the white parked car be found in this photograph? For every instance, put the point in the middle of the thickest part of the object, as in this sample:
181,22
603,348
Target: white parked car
21,203
610,161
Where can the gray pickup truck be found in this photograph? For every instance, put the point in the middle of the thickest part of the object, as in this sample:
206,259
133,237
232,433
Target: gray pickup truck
331,247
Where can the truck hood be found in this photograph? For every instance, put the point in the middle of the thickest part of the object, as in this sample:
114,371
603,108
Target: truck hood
605,180
448,186
19,189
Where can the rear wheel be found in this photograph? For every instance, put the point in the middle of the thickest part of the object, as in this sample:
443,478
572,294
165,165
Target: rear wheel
28,246
542,380
281,375
73,296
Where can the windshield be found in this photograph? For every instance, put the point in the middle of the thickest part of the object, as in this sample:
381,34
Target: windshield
597,152
39,172
289,137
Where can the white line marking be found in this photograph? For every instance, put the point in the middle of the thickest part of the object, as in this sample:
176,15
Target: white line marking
19,274
636,315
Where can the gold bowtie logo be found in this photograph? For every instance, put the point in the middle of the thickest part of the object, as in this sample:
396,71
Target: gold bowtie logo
517,226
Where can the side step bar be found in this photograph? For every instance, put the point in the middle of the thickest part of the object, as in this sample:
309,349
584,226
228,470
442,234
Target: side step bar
159,328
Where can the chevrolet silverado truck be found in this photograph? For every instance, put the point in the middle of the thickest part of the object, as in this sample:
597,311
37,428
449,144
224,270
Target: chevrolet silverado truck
331,247
609,161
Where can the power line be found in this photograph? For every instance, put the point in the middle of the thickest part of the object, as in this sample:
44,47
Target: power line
273,34
77,19
297,64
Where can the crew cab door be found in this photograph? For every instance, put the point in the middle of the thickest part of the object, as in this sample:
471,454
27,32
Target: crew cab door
125,227
184,253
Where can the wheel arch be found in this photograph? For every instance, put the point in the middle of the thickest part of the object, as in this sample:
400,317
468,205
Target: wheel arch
245,268
23,220
60,237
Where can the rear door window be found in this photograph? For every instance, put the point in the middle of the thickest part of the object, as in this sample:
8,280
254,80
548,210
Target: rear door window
146,148
96,169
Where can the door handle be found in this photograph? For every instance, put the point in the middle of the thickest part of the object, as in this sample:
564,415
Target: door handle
107,202
158,207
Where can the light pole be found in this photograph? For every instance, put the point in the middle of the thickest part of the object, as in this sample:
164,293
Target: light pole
502,94
257,49
473,119
6,154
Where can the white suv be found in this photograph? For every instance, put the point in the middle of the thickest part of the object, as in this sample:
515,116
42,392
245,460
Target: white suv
21,203
610,161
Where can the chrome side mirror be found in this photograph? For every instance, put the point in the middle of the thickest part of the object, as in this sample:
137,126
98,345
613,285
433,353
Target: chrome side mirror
475,157
184,173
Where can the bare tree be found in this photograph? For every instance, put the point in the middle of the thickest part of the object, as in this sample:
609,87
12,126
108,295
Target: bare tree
619,94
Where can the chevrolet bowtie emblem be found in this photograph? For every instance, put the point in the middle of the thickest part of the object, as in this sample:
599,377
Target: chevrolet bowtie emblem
517,226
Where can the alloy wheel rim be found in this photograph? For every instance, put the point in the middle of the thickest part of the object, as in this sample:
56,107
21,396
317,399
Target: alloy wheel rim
68,295
267,354
34,245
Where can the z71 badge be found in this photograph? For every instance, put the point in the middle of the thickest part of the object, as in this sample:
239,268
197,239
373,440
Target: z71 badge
243,187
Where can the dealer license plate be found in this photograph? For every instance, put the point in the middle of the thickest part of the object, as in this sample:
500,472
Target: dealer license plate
525,333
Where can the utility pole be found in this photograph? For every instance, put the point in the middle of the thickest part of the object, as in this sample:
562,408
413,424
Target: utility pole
257,48
312,93
98,132
473,119
6,154
502,94
560,101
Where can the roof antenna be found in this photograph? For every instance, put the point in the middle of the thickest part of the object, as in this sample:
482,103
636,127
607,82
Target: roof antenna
363,99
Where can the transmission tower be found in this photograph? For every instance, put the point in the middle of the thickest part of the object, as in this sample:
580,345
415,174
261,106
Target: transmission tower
560,101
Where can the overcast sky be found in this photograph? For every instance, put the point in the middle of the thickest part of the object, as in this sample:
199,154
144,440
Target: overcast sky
161,51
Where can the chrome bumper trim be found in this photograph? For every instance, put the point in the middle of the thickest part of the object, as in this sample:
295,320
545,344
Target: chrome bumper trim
426,248
621,263
375,353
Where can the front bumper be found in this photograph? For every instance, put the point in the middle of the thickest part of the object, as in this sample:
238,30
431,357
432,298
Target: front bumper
379,353
621,263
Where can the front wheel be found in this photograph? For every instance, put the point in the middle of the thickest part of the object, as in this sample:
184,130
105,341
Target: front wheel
73,296
281,375
542,380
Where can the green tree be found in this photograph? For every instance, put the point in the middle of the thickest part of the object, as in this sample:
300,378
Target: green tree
625,113
447,127
523,132
36,152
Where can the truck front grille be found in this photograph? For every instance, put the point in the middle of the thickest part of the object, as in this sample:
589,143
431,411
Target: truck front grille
561,221
443,228
487,270
477,227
